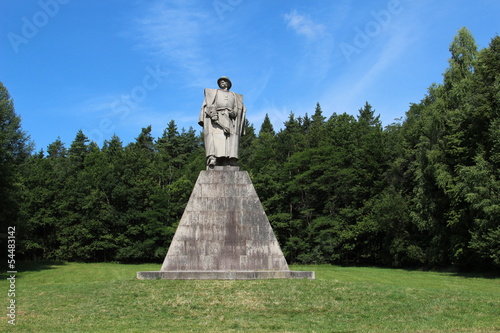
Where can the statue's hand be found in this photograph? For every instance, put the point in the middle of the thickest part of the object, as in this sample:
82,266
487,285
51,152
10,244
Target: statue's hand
211,112
226,130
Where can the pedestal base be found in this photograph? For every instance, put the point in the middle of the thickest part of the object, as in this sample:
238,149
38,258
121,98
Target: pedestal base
224,275
224,233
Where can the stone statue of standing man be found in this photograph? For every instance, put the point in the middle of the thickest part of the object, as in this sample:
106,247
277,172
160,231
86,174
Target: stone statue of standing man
222,117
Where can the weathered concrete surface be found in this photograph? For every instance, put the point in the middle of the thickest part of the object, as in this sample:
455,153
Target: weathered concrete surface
224,233
224,227
224,275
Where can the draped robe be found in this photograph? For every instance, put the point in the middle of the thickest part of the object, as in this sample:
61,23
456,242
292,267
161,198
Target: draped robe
216,113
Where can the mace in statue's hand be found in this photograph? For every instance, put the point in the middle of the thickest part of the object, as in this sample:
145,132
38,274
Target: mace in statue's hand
226,130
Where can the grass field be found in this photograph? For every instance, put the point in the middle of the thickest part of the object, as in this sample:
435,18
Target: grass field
72,297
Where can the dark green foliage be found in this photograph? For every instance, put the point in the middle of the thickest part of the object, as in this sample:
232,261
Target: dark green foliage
15,149
444,158
421,192
115,203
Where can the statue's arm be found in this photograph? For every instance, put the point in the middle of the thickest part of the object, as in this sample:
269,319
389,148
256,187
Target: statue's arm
201,118
207,108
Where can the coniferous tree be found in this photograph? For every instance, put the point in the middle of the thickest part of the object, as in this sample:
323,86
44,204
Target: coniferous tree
317,127
246,145
56,150
78,150
15,149
478,181
267,126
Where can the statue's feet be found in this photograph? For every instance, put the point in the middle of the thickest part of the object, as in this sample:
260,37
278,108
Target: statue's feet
211,162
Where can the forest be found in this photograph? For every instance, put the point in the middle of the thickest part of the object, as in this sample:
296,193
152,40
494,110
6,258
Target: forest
338,189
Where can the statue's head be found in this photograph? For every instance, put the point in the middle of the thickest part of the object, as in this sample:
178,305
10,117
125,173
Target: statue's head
226,79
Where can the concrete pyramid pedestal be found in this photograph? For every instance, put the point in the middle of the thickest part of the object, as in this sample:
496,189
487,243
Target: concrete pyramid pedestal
224,233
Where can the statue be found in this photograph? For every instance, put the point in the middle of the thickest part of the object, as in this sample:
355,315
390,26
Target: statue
224,232
222,117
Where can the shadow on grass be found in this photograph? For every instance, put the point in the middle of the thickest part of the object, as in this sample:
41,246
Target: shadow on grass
493,275
32,266
487,273
472,273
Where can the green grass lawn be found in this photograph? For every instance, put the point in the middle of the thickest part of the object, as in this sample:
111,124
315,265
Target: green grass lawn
72,297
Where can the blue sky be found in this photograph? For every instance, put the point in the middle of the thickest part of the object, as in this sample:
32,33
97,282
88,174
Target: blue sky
116,66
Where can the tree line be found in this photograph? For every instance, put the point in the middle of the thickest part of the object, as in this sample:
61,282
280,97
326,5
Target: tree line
423,191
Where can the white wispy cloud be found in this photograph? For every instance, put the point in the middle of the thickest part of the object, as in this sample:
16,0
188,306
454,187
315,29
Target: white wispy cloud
373,66
97,104
317,51
175,31
304,25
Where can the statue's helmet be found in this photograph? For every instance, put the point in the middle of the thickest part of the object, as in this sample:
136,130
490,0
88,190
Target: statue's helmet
224,78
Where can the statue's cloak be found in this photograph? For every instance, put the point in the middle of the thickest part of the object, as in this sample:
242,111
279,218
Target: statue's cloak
217,143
